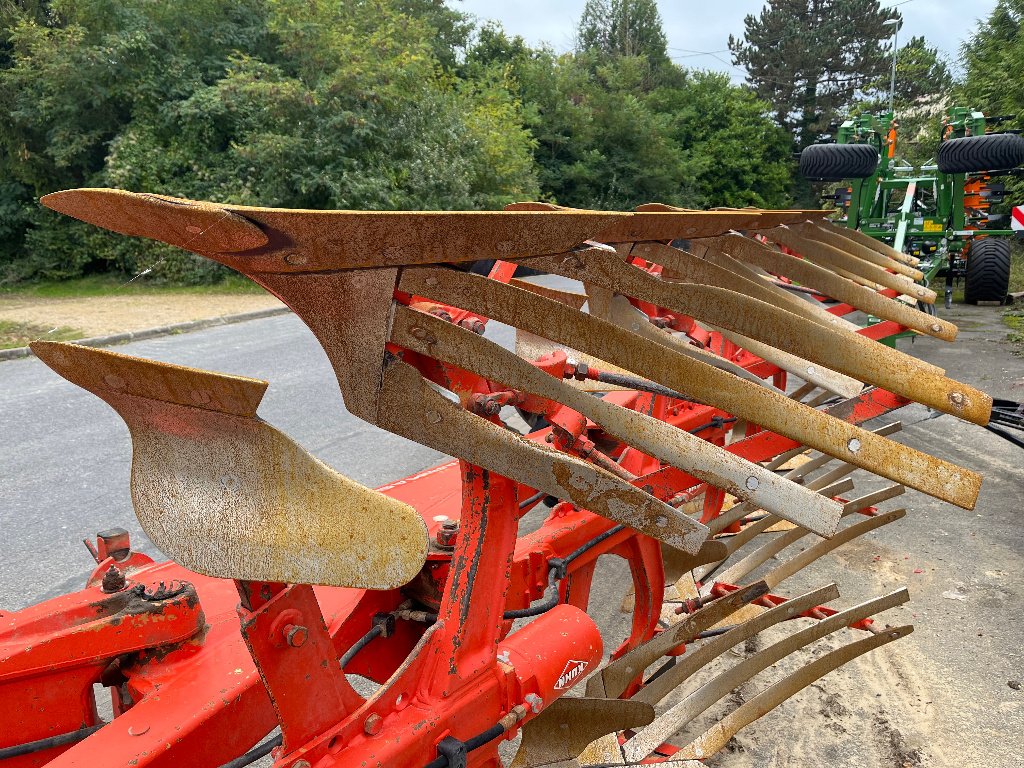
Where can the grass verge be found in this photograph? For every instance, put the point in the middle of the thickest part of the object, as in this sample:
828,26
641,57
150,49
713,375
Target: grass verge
107,285
1014,316
14,334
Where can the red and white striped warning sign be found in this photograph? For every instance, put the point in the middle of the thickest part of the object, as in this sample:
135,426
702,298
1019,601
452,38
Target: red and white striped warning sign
1017,217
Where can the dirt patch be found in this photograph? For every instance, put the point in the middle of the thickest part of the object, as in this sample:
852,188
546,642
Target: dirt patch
18,334
102,315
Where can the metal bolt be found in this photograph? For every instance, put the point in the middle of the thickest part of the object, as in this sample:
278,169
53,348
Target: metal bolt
296,259
447,535
936,327
422,334
373,724
113,580
433,417
853,445
431,281
295,636
810,370
114,381
752,483
956,398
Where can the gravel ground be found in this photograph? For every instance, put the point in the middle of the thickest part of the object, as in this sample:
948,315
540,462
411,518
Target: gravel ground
129,311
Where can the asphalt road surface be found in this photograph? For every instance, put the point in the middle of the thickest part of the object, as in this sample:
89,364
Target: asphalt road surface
943,696
65,455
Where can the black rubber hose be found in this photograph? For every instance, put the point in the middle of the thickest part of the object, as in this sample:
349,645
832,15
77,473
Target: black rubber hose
474,742
255,753
73,737
361,643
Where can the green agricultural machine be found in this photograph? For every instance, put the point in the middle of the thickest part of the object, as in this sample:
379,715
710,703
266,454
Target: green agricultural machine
939,212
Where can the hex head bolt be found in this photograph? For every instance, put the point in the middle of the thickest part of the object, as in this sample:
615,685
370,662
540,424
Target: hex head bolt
447,535
295,635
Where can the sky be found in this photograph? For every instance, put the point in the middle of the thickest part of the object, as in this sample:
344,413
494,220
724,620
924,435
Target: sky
698,30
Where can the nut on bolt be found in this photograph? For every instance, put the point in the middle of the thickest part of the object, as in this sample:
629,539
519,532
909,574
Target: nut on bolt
447,535
295,635
113,580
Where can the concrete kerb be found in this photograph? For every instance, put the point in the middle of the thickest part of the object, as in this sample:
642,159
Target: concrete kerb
162,330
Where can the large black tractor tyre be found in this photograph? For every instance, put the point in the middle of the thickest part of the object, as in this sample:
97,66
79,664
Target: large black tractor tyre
835,162
988,271
972,154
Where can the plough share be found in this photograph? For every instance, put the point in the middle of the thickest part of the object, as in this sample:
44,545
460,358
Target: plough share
700,418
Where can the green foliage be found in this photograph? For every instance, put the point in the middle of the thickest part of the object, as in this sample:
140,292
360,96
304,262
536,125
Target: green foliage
923,94
623,28
808,58
921,74
993,60
359,104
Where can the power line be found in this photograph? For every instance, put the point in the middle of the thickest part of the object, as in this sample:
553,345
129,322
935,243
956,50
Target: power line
690,53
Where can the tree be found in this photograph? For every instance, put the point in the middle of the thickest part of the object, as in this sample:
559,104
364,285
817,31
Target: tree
733,154
921,74
808,58
623,28
993,59
923,94
295,103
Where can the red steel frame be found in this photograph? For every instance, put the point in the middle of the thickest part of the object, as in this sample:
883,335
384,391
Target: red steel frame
189,688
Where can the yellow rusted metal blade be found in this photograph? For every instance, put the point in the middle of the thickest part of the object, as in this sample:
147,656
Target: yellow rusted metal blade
760,405
825,255
647,740
797,303
866,240
721,732
616,309
845,386
753,530
828,236
765,217
457,346
848,353
696,658
614,679
828,282
570,299
531,347
783,571
225,494
665,224
567,726
412,408
721,271
677,562
284,240
736,572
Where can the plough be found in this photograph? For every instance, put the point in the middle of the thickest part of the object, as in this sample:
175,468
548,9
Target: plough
699,420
